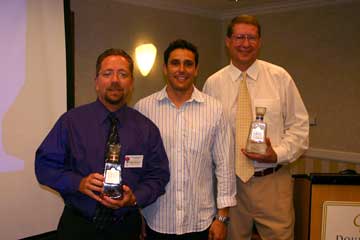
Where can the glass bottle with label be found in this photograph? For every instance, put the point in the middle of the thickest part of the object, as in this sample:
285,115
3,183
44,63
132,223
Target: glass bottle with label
112,172
256,141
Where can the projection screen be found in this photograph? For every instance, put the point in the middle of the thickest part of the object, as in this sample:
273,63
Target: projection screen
33,95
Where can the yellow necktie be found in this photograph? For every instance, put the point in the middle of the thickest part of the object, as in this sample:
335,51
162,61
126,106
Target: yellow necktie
244,167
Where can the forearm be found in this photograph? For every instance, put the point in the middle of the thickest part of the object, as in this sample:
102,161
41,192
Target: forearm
64,182
295,139
50,171
223,158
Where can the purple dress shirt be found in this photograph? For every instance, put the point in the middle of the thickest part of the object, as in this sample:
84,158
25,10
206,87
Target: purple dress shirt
75,147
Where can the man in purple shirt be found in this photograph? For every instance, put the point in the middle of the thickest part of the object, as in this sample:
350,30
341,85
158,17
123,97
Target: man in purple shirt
71,158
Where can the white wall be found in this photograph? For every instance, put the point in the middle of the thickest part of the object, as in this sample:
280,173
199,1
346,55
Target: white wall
33,71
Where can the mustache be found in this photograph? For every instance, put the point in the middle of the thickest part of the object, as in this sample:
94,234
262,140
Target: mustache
115,86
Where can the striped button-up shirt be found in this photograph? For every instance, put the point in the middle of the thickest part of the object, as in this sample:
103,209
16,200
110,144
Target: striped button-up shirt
197,140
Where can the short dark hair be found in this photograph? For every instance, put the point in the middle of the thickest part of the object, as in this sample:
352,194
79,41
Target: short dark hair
114,52
183,44
247,19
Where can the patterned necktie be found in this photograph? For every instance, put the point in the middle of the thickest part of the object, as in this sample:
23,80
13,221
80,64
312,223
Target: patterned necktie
103,215
113,137
244,167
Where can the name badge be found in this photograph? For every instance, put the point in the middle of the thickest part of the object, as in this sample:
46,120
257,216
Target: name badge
133,161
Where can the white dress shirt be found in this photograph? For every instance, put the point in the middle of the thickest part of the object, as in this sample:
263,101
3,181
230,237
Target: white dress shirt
197,141
272,87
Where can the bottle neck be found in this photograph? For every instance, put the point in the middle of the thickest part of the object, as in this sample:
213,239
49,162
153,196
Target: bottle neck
113,153
112,158
260,118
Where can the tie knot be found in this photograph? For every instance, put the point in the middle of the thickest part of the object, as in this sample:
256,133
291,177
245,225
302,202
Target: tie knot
113,119
243,76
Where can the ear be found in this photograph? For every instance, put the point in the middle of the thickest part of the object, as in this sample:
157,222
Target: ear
260,42
227,42
196,70
96,84
131,87
165,71
132,82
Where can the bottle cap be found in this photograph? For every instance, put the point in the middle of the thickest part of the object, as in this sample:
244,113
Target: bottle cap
260,111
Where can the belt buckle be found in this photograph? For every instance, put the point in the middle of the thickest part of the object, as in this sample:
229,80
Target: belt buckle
262,173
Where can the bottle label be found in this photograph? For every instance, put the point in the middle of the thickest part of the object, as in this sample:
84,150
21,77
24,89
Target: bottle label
112,176
257,134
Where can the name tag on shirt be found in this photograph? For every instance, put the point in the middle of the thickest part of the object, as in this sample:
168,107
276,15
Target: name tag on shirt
133,161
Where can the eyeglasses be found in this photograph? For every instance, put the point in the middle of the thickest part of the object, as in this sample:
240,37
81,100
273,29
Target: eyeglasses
241,38
110,73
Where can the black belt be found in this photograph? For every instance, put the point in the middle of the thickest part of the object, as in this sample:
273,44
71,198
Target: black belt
93,220
267,171
71,214
77,212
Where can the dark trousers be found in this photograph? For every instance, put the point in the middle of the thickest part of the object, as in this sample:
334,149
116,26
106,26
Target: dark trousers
153,235
74,226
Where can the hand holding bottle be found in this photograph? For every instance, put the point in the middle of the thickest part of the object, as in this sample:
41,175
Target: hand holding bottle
91,185
127,199
269,156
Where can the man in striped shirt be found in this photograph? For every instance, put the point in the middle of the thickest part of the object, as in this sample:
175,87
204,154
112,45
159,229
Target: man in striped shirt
197,141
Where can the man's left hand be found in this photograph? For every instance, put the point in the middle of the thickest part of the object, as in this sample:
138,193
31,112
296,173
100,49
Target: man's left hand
269,156
217,231
127,199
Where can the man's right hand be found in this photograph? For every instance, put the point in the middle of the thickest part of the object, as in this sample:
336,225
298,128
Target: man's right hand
91,184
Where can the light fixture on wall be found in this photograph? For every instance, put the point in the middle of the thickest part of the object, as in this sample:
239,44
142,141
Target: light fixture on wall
145,57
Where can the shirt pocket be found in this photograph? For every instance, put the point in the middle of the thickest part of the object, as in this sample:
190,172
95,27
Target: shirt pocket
198,138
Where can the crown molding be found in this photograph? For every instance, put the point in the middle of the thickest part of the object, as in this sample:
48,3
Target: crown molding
284,6
174,7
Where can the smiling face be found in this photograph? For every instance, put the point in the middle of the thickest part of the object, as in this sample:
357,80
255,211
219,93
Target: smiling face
243,45
114,82
180,71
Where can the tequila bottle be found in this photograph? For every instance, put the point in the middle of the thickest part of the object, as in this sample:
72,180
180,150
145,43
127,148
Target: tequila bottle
256,141
112,172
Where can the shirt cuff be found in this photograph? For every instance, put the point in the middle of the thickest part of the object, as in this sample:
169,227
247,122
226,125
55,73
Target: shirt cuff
281,153
74,182
223,202
140,198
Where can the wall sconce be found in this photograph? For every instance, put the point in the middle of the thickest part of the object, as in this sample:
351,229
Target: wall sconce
145,57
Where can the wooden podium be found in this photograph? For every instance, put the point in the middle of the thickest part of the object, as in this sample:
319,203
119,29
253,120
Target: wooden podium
310,192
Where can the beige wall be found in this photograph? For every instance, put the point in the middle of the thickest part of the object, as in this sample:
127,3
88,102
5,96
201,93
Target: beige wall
318,46
104,24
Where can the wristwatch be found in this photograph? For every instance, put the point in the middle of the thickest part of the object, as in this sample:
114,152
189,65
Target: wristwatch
224,219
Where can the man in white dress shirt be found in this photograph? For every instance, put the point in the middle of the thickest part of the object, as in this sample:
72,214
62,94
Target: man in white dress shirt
266,199
197,139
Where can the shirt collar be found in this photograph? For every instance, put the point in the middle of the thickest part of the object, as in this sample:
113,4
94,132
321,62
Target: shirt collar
252,71
103,113
196,96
